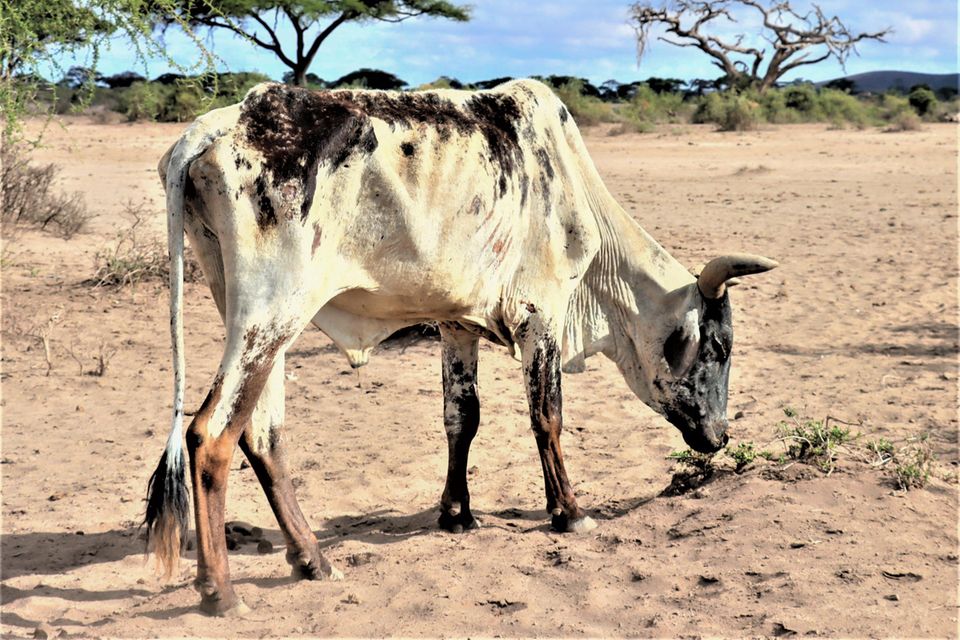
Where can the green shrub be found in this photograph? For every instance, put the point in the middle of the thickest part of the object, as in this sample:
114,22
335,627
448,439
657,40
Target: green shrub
813,441
586,110
840,107
647,105
692,459
801,97
913,466
774,109
893,105
730,112
184,101
742,455
145,100
923,100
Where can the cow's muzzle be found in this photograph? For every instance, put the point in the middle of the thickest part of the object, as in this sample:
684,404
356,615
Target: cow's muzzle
710,438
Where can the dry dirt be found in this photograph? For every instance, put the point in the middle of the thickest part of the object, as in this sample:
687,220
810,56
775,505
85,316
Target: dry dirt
859,323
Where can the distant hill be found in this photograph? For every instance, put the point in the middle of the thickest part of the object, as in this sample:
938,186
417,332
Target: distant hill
881,81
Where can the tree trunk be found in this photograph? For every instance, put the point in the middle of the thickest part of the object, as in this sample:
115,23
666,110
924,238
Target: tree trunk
300,76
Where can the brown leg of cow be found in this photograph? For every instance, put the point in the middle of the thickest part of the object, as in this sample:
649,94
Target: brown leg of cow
542,373
211,440
461,419
262,443
303,552
209,467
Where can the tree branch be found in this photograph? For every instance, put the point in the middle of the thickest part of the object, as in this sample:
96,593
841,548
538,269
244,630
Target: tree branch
788,31
346,15
277,47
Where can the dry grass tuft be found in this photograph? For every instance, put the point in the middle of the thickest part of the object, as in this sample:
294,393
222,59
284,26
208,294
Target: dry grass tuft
27,197
135,257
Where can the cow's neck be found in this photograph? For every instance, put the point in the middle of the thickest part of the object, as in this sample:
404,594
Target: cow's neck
631,277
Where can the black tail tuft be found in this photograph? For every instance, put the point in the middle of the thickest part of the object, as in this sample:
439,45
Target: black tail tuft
168,505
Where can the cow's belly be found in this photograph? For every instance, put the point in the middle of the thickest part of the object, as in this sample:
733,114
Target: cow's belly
357,321
408,307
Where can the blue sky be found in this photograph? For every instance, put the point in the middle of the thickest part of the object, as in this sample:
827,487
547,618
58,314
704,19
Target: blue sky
582,38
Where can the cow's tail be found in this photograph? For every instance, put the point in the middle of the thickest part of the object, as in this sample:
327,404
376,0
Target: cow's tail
168,501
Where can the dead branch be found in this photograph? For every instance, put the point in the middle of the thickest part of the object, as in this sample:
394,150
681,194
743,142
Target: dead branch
791,36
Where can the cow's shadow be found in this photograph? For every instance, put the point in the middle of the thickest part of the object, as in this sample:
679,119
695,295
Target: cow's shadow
55,553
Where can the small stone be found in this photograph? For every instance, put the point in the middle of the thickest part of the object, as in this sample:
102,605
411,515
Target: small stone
892,597
264,547
57,496
738,415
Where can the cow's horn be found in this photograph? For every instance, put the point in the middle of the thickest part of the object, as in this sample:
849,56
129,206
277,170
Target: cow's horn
713,279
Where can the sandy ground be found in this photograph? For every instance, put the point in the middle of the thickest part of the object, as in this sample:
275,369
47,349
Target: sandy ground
859,323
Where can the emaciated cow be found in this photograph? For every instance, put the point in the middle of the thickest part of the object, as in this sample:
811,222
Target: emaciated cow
367,211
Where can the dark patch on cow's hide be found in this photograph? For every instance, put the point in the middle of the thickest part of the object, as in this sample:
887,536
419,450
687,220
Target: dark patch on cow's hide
276,435
317,237
407,148
524,188
240,161
206,479
296,129
546,175
266,215
496,117
564,114
546,401
476,205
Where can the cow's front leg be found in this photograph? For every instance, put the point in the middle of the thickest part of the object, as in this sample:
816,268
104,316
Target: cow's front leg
461,419
262,443
541,367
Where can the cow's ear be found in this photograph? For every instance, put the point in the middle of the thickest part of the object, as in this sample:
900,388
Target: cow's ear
680,351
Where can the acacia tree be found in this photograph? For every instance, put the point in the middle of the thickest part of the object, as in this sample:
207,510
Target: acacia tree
37,35
313,21
795,38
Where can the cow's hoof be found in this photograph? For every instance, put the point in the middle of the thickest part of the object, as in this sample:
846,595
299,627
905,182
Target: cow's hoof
311,566
311,571
457,522
224,609
562,523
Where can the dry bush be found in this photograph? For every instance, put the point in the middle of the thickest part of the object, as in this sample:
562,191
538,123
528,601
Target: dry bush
904,121
27,196
136,256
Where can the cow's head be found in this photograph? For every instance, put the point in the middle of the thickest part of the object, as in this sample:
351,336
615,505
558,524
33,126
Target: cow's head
682,357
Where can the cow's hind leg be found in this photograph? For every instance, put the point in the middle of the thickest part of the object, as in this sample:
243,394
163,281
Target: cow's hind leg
247,362
541,367
461,418
262,443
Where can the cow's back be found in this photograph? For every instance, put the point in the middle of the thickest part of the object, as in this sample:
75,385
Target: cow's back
445,205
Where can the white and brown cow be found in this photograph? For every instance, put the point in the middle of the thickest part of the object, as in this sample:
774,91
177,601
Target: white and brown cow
366,211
